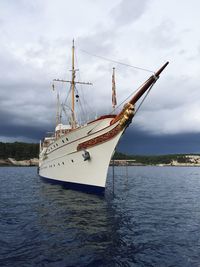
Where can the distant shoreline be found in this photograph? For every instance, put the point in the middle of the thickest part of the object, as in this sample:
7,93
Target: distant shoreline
124,163
11,162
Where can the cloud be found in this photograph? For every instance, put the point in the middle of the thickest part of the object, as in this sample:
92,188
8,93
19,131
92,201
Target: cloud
173,109
36,48
126,12
140,142
164,35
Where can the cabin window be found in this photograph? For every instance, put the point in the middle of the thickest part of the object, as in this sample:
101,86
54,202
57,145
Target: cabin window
63,141
63,163
67,139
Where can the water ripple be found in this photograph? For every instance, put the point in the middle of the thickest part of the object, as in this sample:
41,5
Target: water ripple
153,220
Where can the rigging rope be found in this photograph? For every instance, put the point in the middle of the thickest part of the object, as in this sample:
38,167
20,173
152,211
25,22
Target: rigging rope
115,61
83,104
125,101
81,107
144,98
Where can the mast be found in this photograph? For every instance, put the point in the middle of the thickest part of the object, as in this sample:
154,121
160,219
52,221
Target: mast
73,87
142,90
72,82
114,100
58,110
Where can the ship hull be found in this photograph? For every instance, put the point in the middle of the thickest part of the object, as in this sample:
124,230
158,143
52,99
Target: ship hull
66,164
75,186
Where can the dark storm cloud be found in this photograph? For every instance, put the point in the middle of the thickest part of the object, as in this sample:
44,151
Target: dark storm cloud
136,141
26,97
17,123
36,41
24,132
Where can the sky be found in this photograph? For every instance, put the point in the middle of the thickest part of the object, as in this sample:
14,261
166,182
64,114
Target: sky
35,48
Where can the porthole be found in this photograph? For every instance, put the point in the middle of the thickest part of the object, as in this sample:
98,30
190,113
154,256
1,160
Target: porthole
63,141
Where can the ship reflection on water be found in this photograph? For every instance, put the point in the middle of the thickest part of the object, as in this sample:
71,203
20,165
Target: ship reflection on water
152,220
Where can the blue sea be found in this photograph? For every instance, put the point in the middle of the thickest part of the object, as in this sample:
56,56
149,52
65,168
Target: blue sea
151,219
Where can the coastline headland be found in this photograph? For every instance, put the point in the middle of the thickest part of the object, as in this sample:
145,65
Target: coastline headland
19,163
120,159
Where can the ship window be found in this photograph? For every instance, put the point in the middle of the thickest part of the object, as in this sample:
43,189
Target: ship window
63,163
58,164
67,139
54,165
63,141
72,160
56,144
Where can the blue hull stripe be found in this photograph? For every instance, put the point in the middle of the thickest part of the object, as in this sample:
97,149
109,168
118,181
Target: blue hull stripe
76,186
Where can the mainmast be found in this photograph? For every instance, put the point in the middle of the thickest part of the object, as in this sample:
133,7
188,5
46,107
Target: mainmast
73,82
73,88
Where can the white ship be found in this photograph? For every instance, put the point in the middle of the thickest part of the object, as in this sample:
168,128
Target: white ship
79,155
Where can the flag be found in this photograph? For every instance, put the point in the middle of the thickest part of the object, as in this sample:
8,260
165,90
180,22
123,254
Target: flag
114,100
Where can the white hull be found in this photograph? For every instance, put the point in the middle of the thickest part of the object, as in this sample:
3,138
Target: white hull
65,163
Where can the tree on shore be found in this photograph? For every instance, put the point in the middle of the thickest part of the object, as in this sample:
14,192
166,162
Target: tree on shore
19,150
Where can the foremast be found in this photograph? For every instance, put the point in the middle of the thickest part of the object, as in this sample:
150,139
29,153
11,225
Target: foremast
127,113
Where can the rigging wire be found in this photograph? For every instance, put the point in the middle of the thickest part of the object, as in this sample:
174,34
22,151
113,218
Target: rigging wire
125,101
115,61
144,98
85,106
80,108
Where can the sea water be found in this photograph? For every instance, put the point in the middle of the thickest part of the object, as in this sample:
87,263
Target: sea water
152,219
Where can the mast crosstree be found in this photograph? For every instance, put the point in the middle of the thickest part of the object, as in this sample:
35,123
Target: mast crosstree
73,82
